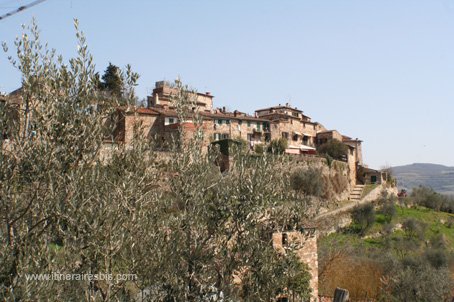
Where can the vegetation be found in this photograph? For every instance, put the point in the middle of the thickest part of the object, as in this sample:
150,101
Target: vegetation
363,217
113,84
183,229
278,146
406,254
427,197
308,181
368,188
259,149
334,149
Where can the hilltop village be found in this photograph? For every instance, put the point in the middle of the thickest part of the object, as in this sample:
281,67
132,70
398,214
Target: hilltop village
160,119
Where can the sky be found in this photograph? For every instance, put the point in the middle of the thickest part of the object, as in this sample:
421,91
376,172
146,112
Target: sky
381,71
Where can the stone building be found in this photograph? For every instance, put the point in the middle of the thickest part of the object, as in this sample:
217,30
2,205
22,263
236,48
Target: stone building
290,123
164,92
160,121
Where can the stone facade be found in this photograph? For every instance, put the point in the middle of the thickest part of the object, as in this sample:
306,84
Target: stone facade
160,121
305,245
164,92
291,124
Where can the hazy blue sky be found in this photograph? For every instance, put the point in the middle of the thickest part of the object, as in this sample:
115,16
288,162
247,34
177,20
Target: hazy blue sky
382,71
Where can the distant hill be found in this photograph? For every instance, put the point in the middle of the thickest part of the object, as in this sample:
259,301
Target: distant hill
439,177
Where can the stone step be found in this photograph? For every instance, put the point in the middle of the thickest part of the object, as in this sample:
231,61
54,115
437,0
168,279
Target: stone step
356,193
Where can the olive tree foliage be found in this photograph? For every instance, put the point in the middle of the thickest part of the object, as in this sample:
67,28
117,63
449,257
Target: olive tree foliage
185,231
334,149
308,181
417,283
62,209
364,217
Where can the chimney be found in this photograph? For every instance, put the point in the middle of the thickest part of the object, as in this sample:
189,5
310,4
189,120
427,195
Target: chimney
223,109
208,93
235,113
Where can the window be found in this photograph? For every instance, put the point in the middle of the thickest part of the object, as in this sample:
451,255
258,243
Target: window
285,135
295,114
249,137
217,136
227,122
225,135
240,122
295,137
171,120
249,123
220,122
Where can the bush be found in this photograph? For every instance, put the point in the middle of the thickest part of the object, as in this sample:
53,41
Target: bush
259,149
414,228
334,148
339,182
389,210
436,257
364,217
420,283
278,146
427,197
310,182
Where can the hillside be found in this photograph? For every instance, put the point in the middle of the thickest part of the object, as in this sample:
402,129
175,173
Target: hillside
360,263
438,177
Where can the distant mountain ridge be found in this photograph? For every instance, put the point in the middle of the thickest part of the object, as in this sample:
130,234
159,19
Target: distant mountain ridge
438,177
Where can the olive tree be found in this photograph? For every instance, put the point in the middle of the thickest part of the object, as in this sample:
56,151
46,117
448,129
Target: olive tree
74,206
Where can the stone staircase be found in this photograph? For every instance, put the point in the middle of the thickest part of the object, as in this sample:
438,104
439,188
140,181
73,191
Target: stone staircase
356,193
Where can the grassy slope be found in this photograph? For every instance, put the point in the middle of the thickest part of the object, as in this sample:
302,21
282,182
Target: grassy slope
437,223
375,242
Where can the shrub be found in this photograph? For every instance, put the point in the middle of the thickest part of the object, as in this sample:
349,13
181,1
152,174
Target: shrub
364,217
308,181
436,257
420,283
389,210
334,148
427,197
339,182
259,149
414,228
278,146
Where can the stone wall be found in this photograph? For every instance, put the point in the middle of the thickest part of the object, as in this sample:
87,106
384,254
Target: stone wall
305,245
144,122
352,167
336,171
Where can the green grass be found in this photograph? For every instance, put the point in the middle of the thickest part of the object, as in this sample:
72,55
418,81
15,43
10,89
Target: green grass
437,224
367,189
